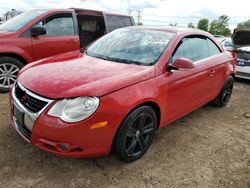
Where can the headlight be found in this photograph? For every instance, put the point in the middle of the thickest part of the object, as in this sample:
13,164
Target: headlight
74,110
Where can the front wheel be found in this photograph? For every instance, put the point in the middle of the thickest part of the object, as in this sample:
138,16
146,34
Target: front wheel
136,134
9,68
225,93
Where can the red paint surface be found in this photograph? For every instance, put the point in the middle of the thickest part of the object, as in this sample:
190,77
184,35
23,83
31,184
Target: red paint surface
121,88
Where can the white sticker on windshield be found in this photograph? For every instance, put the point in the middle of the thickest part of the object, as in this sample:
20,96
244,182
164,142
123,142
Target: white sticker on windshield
157,41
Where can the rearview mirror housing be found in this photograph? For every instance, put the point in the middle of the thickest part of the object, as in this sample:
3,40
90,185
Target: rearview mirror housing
38,30
182,64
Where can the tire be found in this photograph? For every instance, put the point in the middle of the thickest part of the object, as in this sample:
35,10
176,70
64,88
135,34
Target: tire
225,93
9,68
136,134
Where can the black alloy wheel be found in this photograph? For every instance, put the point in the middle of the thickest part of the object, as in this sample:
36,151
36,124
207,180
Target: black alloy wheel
225,94
136,134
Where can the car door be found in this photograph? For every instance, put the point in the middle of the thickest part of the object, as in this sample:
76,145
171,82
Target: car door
220,70
189,89
61,36
206,72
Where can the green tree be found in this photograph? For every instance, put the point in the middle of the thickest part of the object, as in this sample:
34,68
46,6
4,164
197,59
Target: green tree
203,24
245,25
220,26
191,25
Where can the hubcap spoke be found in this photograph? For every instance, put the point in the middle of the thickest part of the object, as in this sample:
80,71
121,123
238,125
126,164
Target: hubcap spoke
4,67
149,128
15,71
141,142
12,79
142,121
11,68
8,81
4,82
131,147
13,76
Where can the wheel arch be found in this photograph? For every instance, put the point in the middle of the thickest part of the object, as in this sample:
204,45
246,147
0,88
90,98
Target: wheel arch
233,75
154,106
151,104
14,55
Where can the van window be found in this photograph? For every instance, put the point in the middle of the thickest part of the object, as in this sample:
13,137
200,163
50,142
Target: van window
115,22
59,25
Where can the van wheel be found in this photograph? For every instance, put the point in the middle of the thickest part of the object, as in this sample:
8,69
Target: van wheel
136,134
9,68
225,93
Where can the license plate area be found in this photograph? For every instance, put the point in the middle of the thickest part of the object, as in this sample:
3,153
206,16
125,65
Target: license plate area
19,122
18,114
243,63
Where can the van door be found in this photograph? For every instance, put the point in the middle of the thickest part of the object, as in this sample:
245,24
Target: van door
61,36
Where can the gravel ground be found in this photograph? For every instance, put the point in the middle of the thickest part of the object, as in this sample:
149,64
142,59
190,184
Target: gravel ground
210,147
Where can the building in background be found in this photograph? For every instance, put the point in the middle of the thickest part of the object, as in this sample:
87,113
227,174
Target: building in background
10,14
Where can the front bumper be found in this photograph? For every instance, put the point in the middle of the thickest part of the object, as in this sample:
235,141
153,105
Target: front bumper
69,139
243,72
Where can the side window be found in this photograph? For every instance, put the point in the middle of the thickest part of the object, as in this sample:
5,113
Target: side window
115,22
59,25
213,48
193,48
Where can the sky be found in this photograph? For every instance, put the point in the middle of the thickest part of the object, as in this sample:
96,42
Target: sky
154,12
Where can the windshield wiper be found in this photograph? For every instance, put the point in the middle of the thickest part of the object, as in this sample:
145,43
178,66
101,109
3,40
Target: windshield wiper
83,50
128,61
113,59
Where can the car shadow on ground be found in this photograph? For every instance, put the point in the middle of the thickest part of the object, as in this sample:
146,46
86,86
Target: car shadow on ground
242,81
20,152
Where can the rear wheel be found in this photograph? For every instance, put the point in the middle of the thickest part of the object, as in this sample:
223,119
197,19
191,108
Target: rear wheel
225,93
9,68
136,134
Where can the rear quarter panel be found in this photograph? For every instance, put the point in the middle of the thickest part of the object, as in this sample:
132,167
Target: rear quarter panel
225,65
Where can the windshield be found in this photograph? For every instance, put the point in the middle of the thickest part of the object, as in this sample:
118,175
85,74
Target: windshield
131,46
21,20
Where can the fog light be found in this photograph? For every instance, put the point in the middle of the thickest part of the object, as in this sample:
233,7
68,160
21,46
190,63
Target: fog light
64,147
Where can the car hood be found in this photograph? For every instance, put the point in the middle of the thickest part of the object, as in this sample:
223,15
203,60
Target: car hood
5,33
241,37
73,75
244,49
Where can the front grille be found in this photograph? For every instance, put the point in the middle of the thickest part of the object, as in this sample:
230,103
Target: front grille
243,55
25,132
243,74
31,103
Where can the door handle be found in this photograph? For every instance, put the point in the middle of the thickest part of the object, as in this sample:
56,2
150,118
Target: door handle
211,73
72,41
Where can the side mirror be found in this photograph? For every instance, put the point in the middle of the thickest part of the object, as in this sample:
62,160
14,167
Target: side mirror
38,30
182,64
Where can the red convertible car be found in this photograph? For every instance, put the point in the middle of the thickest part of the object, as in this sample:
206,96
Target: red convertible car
120,90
